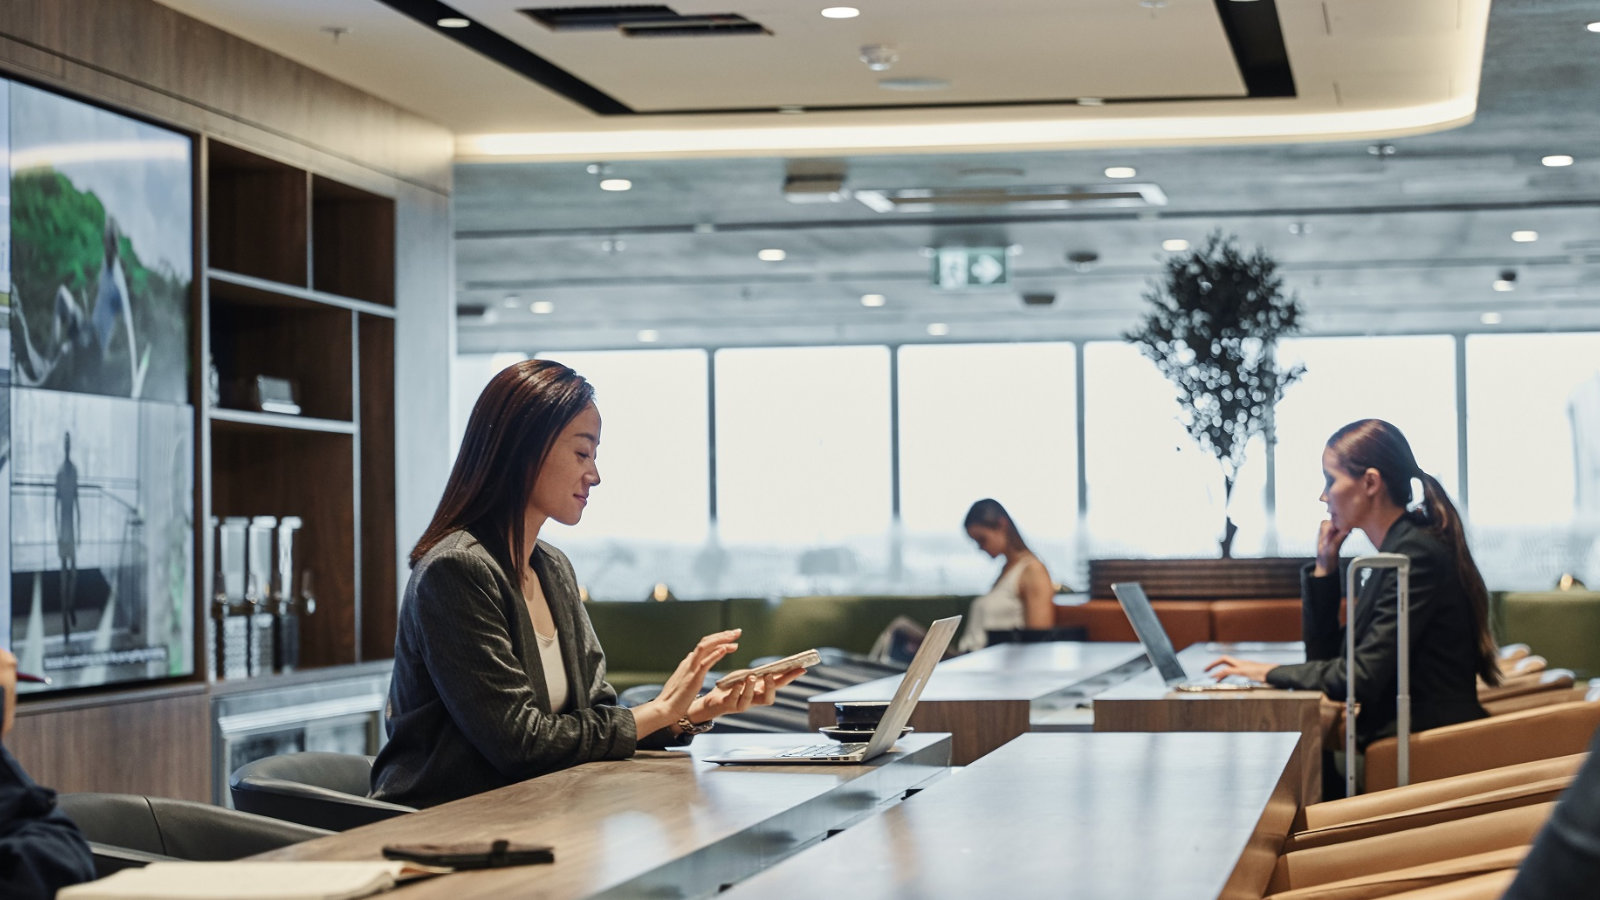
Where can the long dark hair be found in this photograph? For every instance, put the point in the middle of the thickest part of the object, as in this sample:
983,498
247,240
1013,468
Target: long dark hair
990,514
516,419
1376,444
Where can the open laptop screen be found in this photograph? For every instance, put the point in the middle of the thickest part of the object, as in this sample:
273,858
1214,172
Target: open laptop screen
1142,616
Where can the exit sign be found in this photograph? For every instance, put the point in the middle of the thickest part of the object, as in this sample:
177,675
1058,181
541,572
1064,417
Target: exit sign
955,268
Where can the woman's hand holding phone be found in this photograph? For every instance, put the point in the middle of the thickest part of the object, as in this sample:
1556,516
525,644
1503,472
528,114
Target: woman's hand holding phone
740,694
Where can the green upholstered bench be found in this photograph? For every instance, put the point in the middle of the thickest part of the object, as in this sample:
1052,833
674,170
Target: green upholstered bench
1561,626
644,641
848,622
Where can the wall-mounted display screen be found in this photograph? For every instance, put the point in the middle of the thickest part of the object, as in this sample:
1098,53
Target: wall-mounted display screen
98,458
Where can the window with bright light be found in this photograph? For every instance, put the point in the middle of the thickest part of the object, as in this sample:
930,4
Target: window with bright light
469,375
1152,490
986,420
1533,463
802,436
1408,381
654,446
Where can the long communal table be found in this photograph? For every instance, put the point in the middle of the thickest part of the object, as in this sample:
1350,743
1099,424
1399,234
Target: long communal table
1108,816
986,698
1145,703
661,824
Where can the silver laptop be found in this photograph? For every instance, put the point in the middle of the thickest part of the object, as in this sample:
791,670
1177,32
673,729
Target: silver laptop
1142,616
888,730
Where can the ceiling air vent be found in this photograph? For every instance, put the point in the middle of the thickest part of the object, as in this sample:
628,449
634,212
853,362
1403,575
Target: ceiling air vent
642,21
922,200
471,310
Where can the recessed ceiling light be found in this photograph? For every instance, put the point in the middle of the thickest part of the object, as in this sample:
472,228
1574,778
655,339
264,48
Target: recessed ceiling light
840,12
873,299
1091,101
1504,284
648,335
1174,245
1557,160
615,184
938,329
453,22
511,301
541,307
771,254
1121,171
1524,237
1593,26
1490,318
913,84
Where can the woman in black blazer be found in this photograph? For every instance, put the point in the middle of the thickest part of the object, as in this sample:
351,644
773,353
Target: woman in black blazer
498,675
1369,469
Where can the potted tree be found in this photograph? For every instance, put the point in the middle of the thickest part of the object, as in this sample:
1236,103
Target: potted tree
1213,320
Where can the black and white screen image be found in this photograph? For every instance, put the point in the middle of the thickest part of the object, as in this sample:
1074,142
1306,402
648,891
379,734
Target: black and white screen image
101,537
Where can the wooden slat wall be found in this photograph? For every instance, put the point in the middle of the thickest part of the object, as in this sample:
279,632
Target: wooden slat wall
1200,579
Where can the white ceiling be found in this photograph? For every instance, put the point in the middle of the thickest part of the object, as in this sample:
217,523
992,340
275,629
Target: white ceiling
1411,238
1362,68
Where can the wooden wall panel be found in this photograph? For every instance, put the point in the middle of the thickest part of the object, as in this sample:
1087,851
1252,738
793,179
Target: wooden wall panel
141,55
155,741
380,593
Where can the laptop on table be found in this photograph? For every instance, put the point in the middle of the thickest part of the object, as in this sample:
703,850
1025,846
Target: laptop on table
1142,616
888,730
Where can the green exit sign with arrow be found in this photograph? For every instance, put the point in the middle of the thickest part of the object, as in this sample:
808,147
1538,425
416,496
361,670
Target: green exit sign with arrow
956,268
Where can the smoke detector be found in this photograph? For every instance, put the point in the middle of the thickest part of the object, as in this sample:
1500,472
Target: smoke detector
879,57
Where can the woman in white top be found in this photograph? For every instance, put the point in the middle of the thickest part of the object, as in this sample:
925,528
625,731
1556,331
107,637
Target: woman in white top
1023,595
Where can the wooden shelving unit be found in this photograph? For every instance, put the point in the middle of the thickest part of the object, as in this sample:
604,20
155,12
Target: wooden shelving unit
299,285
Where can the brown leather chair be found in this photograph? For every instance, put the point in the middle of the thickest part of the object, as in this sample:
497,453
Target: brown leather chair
1186,621
1522,665
1442,790
1556,694
1510,797
1537,682
1387,884
1255,620
1498,830
1559,729
1489,886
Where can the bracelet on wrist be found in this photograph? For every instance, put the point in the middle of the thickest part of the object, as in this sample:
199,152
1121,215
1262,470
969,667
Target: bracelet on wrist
687,727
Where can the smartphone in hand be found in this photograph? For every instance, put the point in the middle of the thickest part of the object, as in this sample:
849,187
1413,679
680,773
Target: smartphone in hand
802,660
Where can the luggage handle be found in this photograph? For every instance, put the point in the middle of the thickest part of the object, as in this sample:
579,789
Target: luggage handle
1402,563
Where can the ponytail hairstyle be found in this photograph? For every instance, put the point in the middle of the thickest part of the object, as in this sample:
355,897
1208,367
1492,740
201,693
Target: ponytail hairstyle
1376,444
509,434
990,514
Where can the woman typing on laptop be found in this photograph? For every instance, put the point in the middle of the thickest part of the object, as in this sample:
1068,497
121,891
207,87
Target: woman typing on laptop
1369,469
498,676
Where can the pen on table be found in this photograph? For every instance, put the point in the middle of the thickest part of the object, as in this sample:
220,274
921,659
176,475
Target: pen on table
36,679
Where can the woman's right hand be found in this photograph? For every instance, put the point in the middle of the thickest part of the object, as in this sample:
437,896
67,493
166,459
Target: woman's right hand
1329,539
680,690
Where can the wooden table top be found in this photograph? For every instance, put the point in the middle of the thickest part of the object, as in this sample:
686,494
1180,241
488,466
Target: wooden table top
1150,816
1149,685
1002,672
659,824
1082,658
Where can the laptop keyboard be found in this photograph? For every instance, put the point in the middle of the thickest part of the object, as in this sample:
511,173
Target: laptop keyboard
822,750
